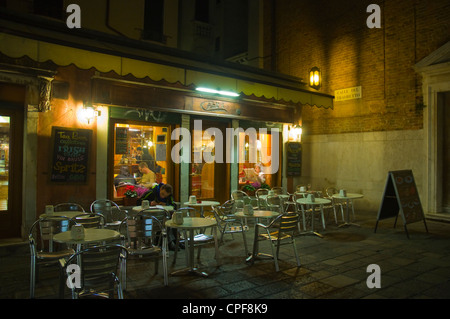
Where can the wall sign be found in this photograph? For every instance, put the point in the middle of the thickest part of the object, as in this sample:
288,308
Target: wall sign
401,197
70,154
293,159
348,94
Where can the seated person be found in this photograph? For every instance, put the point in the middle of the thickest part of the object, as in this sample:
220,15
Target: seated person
256,175
148,177
160,194
124,176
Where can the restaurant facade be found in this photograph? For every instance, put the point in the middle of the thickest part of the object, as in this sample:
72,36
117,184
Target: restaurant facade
79,104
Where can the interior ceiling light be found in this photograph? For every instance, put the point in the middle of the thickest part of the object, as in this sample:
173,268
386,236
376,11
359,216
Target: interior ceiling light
212,91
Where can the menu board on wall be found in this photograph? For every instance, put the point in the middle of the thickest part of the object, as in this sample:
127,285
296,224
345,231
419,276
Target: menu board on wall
293,159
401,197
121,140
70,154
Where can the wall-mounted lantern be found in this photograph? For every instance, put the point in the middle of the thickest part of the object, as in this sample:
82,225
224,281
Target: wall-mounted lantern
88,113
315,78
295,133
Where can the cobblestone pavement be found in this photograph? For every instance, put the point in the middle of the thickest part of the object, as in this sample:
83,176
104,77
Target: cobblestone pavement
333,267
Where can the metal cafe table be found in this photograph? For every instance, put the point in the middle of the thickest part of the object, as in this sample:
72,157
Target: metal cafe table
191,224
349,197
317,202
91,235
201,204
257,214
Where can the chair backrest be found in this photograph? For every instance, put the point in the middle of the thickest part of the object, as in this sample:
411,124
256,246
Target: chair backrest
90,220
226,209
146,228
278,190
288,224
229,207
66,207
109,209
330,191
274,203
42,231
261,191
99,266
240,198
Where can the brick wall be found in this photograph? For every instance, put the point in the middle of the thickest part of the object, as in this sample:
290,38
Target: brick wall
333,36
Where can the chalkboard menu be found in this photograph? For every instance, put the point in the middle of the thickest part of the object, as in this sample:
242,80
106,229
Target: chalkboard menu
121,140
293,159
401,197
70,154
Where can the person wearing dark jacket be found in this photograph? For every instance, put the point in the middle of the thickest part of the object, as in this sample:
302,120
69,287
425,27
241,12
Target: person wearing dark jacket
161,194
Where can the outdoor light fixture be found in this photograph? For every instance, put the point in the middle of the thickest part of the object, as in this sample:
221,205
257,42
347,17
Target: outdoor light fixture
88,113
315,78
212,91
295,133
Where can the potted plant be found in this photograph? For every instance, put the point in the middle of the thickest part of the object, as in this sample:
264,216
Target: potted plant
131,196
249,189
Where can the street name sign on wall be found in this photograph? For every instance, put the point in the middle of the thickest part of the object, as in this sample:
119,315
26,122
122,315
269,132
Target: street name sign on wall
401,197
70,157
348,94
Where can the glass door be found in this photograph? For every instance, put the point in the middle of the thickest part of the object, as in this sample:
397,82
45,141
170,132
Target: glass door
11,159
209,177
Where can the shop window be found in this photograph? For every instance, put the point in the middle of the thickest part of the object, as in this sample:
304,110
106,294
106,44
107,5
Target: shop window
255,160
134,144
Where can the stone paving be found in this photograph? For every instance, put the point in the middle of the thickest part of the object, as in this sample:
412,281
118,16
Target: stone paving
333,267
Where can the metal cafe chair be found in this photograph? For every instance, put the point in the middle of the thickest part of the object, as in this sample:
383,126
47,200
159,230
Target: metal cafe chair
146,236
112,212
99,271
228,223
280,232
65,207
262,204
90,220
43,251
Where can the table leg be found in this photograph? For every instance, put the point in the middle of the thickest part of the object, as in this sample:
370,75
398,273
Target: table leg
347,222
311,232
256,252
191,269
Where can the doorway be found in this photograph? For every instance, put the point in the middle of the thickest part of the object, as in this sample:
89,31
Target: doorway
444,147
209,172
11,161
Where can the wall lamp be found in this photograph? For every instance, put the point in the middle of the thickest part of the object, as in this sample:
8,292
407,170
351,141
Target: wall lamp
212,91
295,133
315,78
88,113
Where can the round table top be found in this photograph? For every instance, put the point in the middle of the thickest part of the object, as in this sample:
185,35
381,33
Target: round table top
349,196
203,203
139,208
91,235
68,214
258,214
279,195
192,223
317,201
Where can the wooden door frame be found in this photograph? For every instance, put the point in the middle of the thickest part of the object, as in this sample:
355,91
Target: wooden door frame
16,113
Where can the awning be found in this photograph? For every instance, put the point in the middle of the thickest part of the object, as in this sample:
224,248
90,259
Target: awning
85,49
